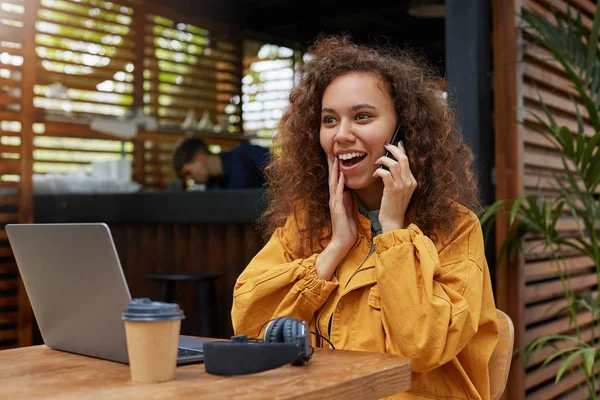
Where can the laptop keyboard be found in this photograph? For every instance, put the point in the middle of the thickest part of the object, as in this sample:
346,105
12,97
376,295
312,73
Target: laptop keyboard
183,352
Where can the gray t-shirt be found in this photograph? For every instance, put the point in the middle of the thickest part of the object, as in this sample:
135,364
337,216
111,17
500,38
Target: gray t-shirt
373,216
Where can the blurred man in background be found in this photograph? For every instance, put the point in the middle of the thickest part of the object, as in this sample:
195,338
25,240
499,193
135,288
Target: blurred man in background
239,167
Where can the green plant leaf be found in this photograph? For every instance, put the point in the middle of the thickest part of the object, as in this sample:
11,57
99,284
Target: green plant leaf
513,251
574,185
568,361
547,208
577,49
589,356
557,212
536,345
593,42
490,211
592,171
556,337
586,300
566,139
547,131
575,213
532,216
487,217
579,149
596,86
579,246
545,108
590,146
580,124
515,208
511,244
559,354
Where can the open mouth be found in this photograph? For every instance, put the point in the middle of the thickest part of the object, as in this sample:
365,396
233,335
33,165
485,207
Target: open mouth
350,160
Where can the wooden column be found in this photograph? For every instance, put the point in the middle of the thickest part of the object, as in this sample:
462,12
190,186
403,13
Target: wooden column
508,153
25,314
240,75
139,34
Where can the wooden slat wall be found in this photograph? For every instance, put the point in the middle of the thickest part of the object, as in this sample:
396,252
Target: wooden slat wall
16,90
530,289
25,313
543,292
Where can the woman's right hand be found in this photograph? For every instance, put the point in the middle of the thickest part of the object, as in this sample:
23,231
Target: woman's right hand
340,206
343,226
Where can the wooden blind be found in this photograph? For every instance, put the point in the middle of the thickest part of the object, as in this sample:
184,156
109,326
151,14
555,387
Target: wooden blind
87,46
192,69
531,288
269,73
12,20
85,53
16,120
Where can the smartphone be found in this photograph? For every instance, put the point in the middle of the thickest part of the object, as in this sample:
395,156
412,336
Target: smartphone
396,138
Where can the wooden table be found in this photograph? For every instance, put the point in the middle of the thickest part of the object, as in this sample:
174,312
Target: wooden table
39,372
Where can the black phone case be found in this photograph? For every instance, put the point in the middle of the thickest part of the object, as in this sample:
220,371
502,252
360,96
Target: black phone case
396,138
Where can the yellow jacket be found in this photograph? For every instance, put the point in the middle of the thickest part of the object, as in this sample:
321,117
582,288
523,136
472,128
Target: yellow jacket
432,303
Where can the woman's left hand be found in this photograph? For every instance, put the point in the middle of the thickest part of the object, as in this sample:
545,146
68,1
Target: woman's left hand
399,185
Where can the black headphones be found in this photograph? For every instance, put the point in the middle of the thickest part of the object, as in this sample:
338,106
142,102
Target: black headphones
286,340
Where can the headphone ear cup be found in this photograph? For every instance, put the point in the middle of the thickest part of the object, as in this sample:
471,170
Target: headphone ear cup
290,331
274,332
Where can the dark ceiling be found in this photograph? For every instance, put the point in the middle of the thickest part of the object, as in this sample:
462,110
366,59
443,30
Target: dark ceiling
302,20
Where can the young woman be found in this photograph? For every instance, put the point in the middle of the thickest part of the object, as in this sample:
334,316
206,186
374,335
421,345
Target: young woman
377,259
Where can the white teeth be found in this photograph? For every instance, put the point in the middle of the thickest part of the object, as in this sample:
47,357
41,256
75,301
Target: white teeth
348,156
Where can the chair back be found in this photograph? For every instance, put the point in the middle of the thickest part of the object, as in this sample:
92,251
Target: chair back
499,364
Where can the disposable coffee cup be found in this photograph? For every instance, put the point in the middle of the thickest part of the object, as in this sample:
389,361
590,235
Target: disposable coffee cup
152,330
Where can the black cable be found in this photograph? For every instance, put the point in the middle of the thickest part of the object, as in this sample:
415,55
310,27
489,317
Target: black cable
259,339
324,338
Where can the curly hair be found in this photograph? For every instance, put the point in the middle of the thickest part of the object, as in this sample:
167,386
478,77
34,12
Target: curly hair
439,159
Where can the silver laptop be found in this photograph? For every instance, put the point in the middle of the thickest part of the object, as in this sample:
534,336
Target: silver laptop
77,289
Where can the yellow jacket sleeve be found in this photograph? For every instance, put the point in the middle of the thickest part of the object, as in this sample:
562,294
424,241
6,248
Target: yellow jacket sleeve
431,302
275,284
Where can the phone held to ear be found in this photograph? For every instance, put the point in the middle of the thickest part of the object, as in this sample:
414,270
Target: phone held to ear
396,138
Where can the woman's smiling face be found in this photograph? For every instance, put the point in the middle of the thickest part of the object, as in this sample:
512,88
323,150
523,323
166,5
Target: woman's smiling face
357,119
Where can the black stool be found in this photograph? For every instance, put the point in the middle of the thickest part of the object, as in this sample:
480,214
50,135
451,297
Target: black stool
207,295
